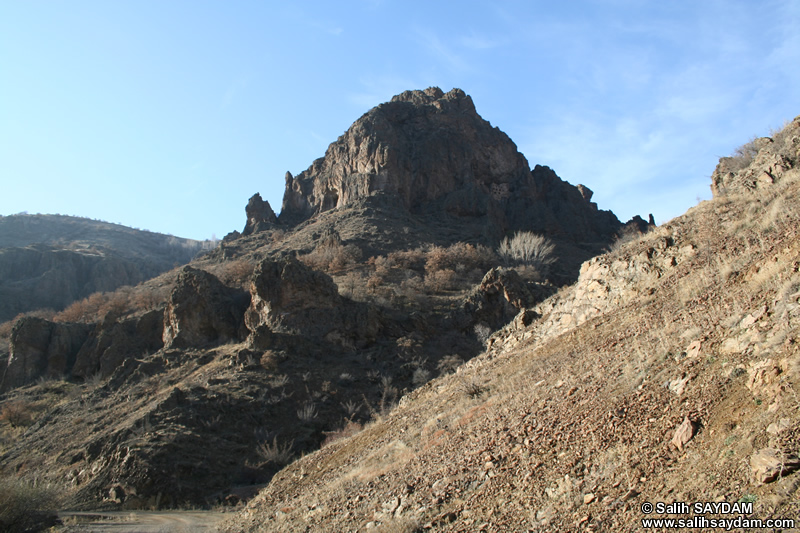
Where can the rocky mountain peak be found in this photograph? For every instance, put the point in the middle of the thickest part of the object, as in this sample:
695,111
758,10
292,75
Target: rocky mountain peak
437,155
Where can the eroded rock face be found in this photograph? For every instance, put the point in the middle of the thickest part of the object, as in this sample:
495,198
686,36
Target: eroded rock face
260,215
113,341
501,295
437,155
289,298
42,348
761,163
202,310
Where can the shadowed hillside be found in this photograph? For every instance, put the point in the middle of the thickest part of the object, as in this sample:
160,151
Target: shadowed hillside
49,261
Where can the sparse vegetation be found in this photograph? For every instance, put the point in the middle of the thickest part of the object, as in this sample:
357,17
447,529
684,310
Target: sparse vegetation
25,506
275,453
530,249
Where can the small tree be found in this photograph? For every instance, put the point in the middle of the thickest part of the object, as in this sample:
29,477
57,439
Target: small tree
528,248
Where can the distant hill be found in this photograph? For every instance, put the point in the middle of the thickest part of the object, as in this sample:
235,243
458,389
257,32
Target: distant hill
49,261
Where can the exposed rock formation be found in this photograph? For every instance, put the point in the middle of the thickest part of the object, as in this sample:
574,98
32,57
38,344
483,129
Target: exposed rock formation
288,297
113,341
260,215
760,163
501,295
436,154
42,348
201,310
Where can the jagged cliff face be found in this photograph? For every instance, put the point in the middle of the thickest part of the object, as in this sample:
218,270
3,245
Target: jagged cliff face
434,152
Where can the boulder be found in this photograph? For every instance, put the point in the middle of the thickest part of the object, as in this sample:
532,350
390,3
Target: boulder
501,295
202,310
113,341
768,464
290,298
40,348
684,433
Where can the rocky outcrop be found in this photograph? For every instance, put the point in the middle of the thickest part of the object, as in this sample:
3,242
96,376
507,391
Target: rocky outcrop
201,310
260,215
289,298
113,341
434,152
760,163
501,295
42,348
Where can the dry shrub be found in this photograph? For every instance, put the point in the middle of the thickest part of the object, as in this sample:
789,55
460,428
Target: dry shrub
449,363
349,429
274,453
626,235
117,303
91,309
408,259
77,311
381,264
743,155
6,327
332,257
374,282
18,414
460,256
235,273
147,298
528,248
440,281
24,506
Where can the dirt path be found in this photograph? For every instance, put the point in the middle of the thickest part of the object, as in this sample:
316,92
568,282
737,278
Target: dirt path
141,521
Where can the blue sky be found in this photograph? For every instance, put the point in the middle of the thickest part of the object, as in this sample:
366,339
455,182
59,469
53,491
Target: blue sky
168,115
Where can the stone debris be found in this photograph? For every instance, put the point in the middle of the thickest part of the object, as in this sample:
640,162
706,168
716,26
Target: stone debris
768,464
683,434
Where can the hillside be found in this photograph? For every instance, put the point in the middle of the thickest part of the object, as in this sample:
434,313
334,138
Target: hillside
668,372
50,261
196,387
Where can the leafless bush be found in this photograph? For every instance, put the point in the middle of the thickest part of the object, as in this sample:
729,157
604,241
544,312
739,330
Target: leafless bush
277,454
235,273
349,429
460,256
743,155
626,235
17,413
25,506
472,389
308,412
408,259
420,377
449,363
332,257
482,333
351,408
528,248
280,380
440,281
146,298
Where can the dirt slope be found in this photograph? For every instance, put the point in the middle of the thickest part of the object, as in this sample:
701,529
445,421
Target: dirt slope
569,421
